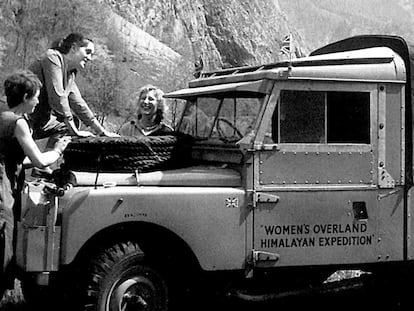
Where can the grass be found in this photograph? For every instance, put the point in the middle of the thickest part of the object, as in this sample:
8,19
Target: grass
13,299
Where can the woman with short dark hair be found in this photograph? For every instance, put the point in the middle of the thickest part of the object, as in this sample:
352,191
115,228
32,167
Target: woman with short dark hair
17,147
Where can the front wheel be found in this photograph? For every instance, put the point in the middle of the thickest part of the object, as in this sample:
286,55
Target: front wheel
121,279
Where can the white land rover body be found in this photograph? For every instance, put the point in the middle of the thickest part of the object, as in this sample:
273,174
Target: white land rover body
302,166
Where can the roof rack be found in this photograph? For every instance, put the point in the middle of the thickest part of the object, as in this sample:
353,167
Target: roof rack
238,70
298,62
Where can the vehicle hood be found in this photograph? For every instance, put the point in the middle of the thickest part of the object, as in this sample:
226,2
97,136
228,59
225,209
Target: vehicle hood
196,176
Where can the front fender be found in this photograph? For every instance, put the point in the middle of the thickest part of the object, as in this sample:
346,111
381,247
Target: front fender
212,221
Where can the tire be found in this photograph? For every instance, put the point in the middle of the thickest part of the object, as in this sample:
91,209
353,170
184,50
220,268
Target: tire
120,279
127,154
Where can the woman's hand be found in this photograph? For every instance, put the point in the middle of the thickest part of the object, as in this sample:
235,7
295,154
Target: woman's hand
61,144
109,134
84,134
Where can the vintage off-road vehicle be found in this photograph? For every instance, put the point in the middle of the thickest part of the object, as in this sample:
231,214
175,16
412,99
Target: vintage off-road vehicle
284,172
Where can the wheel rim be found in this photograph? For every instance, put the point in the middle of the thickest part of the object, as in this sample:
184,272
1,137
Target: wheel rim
135,293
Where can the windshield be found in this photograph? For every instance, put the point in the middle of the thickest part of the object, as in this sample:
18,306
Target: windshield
225,118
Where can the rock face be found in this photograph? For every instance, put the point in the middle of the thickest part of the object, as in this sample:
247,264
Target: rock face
320,22
222,34
166,42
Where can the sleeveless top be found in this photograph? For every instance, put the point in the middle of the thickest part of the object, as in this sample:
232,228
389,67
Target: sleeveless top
11,153
11,184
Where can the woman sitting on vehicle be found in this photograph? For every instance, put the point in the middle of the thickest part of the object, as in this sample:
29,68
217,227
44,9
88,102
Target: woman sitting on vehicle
150,115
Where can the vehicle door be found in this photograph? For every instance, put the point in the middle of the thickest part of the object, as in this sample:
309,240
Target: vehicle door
322,191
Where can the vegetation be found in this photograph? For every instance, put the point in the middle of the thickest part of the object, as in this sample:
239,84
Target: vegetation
109,83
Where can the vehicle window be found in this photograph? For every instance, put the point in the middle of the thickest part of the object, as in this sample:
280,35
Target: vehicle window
199,117
226,118
322,117
174,111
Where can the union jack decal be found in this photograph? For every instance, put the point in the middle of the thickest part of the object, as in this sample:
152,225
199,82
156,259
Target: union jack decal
232,202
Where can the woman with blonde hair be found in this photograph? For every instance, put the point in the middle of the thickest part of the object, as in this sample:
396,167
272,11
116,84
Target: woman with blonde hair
150,115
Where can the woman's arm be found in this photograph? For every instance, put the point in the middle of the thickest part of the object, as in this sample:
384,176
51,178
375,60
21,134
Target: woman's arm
83,112
31,150
56,83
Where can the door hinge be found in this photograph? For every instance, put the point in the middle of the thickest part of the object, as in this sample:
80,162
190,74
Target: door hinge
261,197
254,197
261,258
264,197
385,180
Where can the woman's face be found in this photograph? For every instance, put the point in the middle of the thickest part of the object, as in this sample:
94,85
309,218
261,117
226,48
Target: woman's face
30,102
148,103
82,55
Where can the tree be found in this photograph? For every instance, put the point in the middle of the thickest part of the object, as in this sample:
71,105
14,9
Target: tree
102,80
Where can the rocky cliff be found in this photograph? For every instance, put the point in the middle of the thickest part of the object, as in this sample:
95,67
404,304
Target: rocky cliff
320,22
165,42
230,33
219,34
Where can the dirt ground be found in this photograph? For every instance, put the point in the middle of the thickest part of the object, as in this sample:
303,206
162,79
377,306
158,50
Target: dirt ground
372,296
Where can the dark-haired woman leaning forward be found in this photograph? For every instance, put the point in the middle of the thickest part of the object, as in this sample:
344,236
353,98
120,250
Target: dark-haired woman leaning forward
60,97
